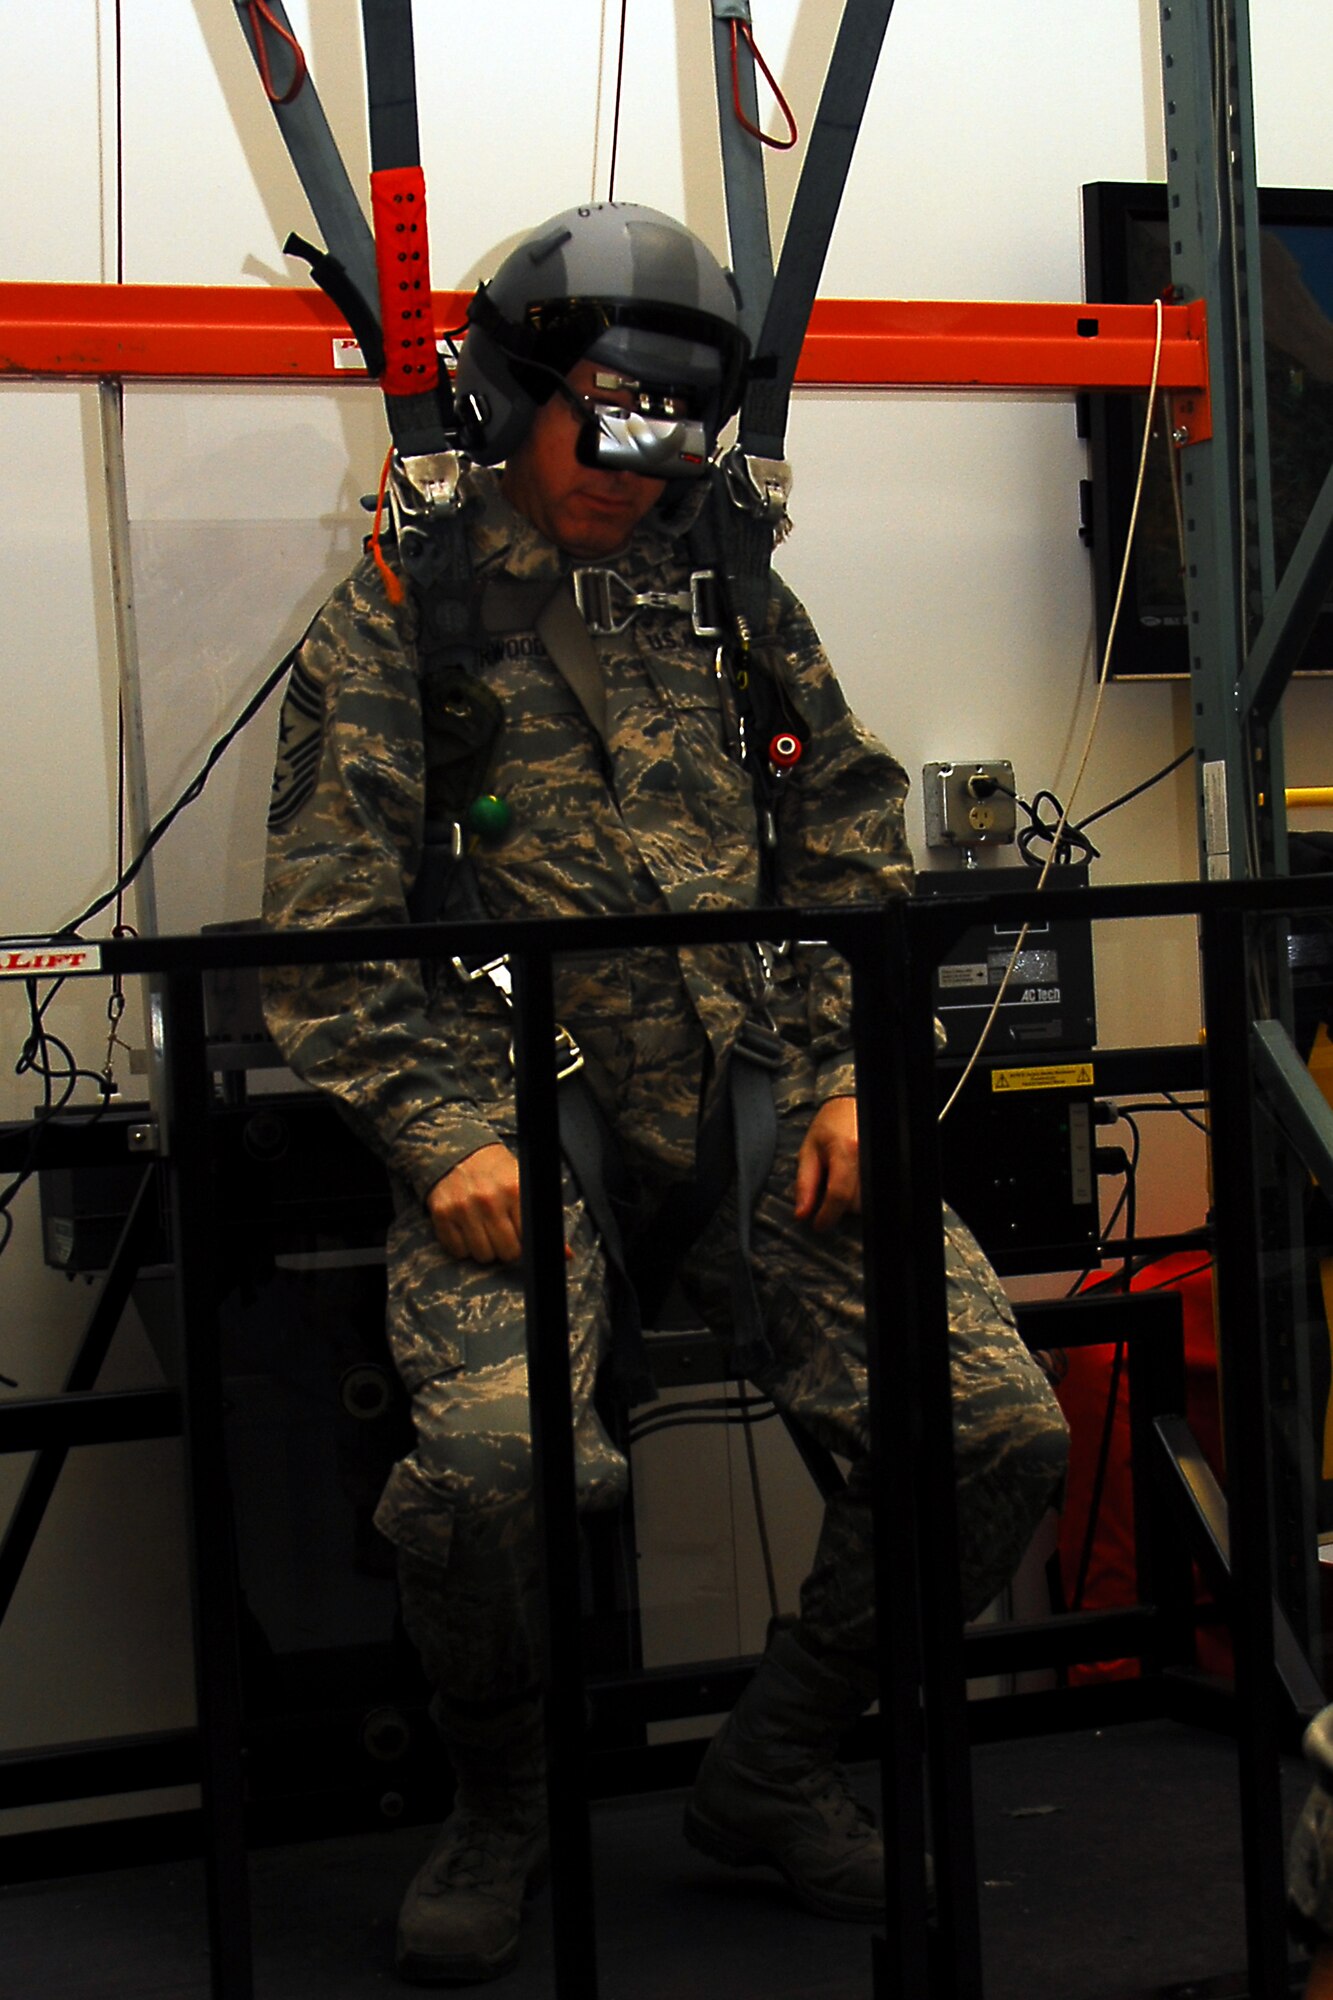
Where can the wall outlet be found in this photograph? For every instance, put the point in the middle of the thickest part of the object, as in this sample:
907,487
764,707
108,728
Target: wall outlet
969,803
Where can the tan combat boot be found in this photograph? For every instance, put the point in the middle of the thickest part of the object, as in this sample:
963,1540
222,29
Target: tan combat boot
460,1918
771,1793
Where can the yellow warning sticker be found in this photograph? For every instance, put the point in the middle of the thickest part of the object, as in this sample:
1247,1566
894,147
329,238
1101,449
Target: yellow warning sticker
1050,1076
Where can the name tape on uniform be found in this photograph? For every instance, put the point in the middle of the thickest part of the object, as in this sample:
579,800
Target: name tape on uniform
21,959
1049,1076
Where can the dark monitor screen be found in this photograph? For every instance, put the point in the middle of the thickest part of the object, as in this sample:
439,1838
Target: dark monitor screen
1127,259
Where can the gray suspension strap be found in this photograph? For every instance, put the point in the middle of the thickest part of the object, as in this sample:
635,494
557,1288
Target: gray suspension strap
315,156
588,1145
569,642
742,1133
739,1136
755,1118
828,157
755,471
742,168
594,1159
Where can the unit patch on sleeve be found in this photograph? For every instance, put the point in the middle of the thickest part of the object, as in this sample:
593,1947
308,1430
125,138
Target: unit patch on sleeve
300,730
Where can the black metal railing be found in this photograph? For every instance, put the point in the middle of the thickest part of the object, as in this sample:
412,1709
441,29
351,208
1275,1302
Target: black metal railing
892,953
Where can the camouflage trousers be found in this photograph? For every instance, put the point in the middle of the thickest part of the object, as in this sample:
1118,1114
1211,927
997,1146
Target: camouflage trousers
1310,1855
459,1506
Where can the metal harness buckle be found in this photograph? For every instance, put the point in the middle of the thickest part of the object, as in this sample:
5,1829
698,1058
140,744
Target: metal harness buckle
568,1054
494,969
421,490
596,592
424,485
759,486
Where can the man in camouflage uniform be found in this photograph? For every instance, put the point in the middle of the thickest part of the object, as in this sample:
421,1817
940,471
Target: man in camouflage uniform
648,809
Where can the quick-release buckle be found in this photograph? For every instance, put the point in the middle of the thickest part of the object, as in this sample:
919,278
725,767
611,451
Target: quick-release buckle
495,969
759,486
608,604
425,484
422,491
769,955
568,1054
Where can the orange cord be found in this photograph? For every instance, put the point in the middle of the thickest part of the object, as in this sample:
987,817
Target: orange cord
393,583
260,18
779,145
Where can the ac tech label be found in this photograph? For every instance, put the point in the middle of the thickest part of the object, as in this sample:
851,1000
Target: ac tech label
1050,1076
19,960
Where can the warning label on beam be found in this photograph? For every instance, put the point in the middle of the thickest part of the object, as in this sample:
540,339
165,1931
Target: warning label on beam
1048,1076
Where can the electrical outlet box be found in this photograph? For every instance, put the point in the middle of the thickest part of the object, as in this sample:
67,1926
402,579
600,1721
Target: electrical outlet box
969,803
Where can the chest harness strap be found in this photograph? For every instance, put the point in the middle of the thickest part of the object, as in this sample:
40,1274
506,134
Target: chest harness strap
592,1155
736,1141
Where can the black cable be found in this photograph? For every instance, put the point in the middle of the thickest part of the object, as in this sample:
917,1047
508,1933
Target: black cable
652,1411
1102,1244
1186,1111
1135,790
1131,1196
615,124
39,1048
1178,1277
760,1518
40,1044
1072,846
1074,843
188,796
752,1416
1184,1240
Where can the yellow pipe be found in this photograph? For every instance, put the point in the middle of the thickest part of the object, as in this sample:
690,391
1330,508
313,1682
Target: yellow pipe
1309,795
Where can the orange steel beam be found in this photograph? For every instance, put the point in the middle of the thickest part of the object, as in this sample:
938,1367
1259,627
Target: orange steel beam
249,332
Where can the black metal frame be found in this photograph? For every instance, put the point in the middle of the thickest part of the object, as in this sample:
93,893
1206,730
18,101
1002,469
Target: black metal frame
892,952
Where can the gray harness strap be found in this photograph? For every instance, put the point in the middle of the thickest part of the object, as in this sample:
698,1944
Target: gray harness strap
742,1138
514,604
755,1127
509,605
567,639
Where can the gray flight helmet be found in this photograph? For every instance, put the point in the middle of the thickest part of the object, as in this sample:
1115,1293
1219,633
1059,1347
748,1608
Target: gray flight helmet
612,282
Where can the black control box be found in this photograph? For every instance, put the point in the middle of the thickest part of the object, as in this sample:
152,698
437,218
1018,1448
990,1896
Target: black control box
1017,1148
1049,1002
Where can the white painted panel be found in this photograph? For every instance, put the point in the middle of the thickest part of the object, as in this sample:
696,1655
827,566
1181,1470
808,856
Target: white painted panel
57,142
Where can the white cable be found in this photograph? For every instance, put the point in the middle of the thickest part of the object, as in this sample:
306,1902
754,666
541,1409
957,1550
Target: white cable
1058,835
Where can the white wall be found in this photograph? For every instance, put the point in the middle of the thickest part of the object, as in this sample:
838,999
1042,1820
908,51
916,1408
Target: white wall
935,536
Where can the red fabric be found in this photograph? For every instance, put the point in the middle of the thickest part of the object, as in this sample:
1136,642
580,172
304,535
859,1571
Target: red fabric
1083,1393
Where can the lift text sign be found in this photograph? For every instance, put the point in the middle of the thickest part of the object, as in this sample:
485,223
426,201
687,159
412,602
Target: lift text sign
56,958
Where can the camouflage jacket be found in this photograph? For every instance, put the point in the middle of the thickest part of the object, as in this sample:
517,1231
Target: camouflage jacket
659,817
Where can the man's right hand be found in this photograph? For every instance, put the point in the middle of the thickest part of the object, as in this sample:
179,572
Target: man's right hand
474,1207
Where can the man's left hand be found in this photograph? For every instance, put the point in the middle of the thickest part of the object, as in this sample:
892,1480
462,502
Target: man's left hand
828,1166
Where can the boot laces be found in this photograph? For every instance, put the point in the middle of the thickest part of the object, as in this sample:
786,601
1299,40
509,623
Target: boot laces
489,1850
829,1789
